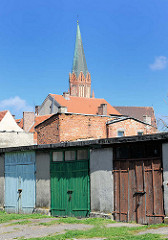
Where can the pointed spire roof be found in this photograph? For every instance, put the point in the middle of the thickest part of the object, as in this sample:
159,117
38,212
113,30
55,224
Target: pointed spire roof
79,61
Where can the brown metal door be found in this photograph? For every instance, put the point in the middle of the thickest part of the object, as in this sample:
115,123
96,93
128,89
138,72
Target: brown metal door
138,193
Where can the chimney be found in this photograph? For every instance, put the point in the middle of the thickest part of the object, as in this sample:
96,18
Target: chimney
93,94
102,109
37,109
62,109
66,95
28,120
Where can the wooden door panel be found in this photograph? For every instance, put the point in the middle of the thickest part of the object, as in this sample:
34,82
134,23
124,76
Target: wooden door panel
132,191
138,191
70,188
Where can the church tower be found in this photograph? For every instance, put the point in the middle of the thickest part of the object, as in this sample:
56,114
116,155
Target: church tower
79,78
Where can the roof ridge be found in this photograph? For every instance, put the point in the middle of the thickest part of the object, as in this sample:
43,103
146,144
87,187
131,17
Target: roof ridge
136,106
78,97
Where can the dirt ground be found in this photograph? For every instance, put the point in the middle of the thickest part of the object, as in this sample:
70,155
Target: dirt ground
13,230
33,229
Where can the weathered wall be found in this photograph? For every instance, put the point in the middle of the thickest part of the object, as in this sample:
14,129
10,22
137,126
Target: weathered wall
43,180
74,127
28,120
14,139
101,180
165,175
71,127
2,180
48,131
48,107
130,127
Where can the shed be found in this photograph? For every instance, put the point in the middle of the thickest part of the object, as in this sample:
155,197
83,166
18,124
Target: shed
122,178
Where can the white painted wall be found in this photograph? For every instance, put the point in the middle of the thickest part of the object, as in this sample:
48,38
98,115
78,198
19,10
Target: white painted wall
16,139
11,135
8,123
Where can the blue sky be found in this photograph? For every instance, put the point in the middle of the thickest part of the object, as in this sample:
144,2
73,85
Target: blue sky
125,44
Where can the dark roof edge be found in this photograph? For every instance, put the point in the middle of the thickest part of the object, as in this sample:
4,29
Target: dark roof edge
126,118
83,114
91,143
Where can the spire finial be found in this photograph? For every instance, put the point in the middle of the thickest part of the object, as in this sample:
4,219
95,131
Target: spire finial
77,19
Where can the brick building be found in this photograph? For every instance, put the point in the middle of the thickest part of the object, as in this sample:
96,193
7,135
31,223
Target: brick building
62,127
84,116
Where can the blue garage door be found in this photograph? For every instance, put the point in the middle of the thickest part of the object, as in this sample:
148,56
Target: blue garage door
20,182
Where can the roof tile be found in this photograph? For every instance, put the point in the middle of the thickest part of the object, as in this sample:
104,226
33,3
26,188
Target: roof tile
84,105
2,114
138,112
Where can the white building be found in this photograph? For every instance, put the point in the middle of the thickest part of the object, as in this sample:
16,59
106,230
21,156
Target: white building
11,135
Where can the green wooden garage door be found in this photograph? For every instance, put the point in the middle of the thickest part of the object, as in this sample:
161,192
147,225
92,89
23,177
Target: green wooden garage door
70,192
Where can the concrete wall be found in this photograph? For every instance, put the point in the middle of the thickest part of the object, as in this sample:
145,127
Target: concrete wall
43,197
2,180
48,107
14,139
165,175
101,180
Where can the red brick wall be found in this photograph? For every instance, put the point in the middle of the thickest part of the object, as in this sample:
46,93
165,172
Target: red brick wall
73,127
48,131
130,127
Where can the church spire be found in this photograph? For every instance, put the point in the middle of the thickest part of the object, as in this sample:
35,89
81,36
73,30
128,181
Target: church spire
79,79
79,61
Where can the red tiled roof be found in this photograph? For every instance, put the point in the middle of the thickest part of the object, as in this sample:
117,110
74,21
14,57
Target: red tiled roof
2,114
84,105
138,112
38,119
19,122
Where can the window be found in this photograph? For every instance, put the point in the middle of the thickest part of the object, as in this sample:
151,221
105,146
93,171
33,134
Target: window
69,155
57,156
120,133
140,133
82,154
147,119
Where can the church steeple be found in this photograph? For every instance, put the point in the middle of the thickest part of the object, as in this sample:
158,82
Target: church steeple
79,61
79,79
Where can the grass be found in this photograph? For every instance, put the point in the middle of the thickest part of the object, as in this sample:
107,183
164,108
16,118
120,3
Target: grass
99,229
24,222
122,233
71,220
5,217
